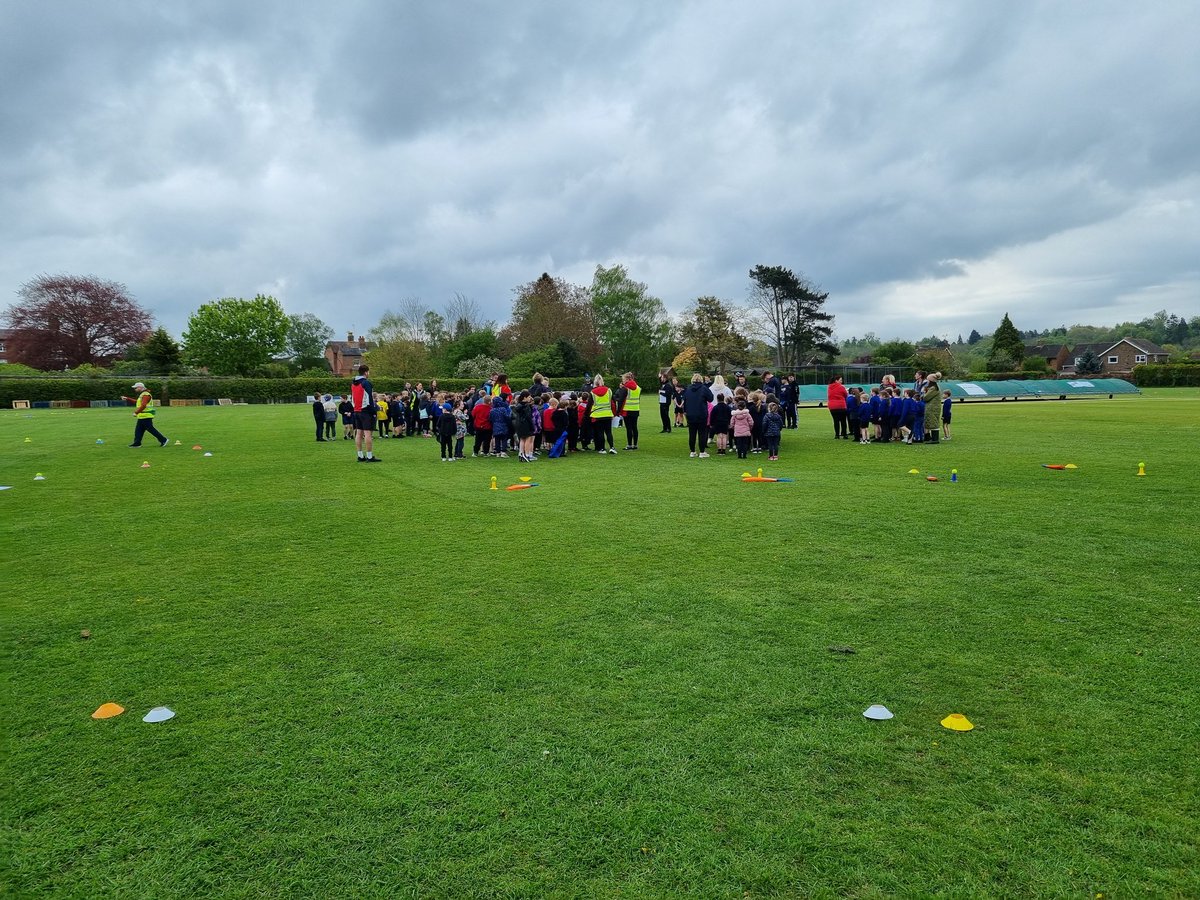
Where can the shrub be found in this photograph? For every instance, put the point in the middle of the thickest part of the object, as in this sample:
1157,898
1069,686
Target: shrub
1166,375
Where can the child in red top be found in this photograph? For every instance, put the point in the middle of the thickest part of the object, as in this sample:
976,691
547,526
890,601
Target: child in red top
480,418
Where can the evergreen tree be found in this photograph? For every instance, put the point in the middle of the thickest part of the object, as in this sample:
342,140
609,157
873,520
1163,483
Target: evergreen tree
1006,343
160,352
974,338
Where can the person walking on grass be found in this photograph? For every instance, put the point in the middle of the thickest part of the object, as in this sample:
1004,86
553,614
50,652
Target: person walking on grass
143,412
631,409
363,397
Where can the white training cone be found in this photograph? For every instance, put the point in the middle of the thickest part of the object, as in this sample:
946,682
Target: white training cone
878,712
99,440
39,477
5,487
158,714
208,454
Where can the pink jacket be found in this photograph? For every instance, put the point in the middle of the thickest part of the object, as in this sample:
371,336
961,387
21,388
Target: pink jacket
743,423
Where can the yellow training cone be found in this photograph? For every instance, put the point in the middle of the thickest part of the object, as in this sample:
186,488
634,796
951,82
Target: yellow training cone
493,487
1141,466
1072,466
526,478
146,464
107,711
914,471
957,722
29,440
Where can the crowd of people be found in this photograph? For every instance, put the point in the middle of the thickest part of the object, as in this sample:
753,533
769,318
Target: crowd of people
730,419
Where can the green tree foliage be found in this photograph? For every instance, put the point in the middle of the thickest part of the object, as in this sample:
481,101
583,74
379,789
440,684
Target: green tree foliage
401,357
307,336
160,354
1006,342
974,338
897,353
233,336
547,309
1089,363
790,315
547,360
708,327
469,346
632,325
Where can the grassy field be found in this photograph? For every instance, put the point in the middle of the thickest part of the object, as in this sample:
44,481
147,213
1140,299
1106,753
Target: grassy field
392,681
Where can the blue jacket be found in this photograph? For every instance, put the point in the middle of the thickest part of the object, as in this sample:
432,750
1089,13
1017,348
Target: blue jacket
864,413
852,405
696,398
896,408
499,418
908,408
946,407
772,425
876,405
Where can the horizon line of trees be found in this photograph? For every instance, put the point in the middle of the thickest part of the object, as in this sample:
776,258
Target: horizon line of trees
83,323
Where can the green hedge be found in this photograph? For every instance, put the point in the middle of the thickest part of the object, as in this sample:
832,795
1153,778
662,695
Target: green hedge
251,390
1167,375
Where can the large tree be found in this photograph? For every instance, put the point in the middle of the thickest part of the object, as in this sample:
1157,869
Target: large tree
232,336
158,354
790,315
632,324
63,321
1006,346
708,326
547,309
307,336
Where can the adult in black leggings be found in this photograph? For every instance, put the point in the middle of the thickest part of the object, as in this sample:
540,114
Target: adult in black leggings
836,398
666,399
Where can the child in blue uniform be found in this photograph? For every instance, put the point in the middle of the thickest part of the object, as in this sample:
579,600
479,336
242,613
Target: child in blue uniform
946,415
918,435
876,405
864,422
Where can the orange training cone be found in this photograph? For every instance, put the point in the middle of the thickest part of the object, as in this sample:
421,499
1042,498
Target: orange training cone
108,710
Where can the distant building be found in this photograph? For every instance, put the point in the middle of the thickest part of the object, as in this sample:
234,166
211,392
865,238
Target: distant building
344,357
1116,360
4,336
1055,355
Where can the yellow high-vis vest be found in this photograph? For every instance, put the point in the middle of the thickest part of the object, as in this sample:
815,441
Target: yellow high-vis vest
602,406
148,412
633,403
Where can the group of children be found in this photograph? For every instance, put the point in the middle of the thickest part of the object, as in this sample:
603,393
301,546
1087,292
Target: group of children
890,413
747,421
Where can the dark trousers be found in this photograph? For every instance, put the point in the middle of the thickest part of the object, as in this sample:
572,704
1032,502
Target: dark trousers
458,447
602,431
483,440
772,445
320,429
330,430
789,415
143,426
500,443
840,419
697,432
742,442
631,428
664,413
447,443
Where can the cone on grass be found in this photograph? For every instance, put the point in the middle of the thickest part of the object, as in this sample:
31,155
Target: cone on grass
1141,468
146,464
957,722
914,471
492,484
108,710
878,712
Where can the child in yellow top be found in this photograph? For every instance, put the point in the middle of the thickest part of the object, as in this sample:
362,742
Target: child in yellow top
381,417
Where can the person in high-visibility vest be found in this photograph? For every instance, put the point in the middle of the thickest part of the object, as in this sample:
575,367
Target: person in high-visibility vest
631,409
144,414
601,414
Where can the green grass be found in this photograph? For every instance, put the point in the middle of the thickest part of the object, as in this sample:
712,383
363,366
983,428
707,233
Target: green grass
392,681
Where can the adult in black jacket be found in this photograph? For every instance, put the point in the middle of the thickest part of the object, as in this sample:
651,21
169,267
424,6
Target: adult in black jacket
696,397
318,411
789,397
666,397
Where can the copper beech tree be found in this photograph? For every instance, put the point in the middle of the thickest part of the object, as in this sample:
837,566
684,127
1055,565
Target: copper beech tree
63,321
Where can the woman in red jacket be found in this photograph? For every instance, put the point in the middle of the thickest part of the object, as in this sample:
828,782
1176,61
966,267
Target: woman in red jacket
837,408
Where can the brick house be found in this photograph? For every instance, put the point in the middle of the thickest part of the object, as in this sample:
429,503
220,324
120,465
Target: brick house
1076,355
1055,355
1118,360
344,357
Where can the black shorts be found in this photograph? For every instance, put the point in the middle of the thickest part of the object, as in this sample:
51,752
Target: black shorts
364,421
945,420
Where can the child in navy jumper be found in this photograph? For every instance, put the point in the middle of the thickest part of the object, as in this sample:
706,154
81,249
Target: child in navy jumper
908,415
946,403
876,406
718,423
772,426
895,414
499,418
918,435
865,414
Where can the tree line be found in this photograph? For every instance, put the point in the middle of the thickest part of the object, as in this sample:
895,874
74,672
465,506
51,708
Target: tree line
613,324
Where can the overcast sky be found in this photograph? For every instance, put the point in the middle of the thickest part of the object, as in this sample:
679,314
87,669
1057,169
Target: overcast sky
931,165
